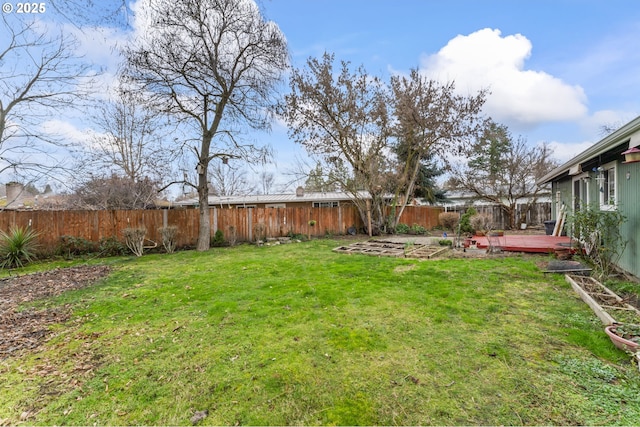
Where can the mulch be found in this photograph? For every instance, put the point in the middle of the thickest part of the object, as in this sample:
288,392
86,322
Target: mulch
26,328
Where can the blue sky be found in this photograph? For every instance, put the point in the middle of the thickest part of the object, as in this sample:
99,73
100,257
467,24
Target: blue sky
557,70
579,59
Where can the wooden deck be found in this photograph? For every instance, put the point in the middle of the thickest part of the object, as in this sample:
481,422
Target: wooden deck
521,243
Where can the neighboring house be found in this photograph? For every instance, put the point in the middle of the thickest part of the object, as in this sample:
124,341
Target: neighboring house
299,199
536,214
605,177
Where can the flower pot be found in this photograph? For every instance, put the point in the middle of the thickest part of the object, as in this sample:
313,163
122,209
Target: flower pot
618,341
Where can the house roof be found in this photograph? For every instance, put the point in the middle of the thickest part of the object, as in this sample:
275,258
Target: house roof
629,132
276,198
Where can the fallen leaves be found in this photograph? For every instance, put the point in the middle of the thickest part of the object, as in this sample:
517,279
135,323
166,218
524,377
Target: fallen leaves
29,328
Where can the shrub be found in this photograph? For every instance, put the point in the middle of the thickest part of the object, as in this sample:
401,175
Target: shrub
418,229
465,221
134,238
445,242
218,238
169,238
402,228
233,235
598,235
260,232
449,220
480,222
110,246
70,246
17,247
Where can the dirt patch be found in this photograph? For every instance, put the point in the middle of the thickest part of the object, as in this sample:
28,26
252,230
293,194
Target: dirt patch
28,328
404,268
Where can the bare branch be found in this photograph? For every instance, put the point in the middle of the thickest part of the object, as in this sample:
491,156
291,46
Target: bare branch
214,66
39,79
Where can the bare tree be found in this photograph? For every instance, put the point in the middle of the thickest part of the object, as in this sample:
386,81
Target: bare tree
228,181
503,170
213,65
130,142
266,179
39,78
91,12
114,192
431,119
371,139
342,120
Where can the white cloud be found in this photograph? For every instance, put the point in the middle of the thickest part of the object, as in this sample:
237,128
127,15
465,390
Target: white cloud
563,152
70,133
519,97
596,123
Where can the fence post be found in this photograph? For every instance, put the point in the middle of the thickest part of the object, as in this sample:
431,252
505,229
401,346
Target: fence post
250,223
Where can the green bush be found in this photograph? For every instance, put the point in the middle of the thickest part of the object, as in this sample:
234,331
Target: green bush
70,246
402,228
465,221
17,247
597,233
218,238
445,242
110,246
418,229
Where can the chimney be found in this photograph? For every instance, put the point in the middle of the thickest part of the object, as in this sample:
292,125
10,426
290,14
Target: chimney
14,194
300,191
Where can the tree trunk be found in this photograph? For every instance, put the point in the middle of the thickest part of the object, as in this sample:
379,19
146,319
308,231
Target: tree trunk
407,194
204,229
512,216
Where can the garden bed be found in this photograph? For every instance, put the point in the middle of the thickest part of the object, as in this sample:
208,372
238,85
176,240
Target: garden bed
611,309
608,306
409,248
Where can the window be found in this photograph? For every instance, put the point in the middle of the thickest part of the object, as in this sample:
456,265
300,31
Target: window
580,191
326,204
607,186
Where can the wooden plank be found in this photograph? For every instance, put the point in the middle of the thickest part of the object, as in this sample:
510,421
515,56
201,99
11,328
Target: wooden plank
279,222
604,317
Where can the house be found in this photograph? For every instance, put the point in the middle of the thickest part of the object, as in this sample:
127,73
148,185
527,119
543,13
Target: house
533,212
298,199
607,176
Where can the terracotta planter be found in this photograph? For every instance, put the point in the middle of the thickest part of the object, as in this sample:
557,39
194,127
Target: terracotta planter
621,343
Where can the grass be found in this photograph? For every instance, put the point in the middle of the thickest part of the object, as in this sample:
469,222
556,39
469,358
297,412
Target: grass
297,334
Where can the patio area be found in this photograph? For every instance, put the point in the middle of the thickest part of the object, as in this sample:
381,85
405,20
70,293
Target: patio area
537,243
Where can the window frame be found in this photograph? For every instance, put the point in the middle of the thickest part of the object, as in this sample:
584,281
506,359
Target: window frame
607,180
327,204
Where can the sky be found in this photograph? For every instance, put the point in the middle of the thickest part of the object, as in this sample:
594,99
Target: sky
557,70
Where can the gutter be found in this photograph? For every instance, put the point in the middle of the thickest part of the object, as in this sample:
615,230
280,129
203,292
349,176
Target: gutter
595,150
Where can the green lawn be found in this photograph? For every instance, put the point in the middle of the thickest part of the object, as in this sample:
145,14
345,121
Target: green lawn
297,334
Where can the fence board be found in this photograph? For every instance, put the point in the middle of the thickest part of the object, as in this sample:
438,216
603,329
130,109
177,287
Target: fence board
276,222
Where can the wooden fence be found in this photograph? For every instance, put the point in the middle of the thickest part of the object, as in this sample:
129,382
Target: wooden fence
245,224
535,215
